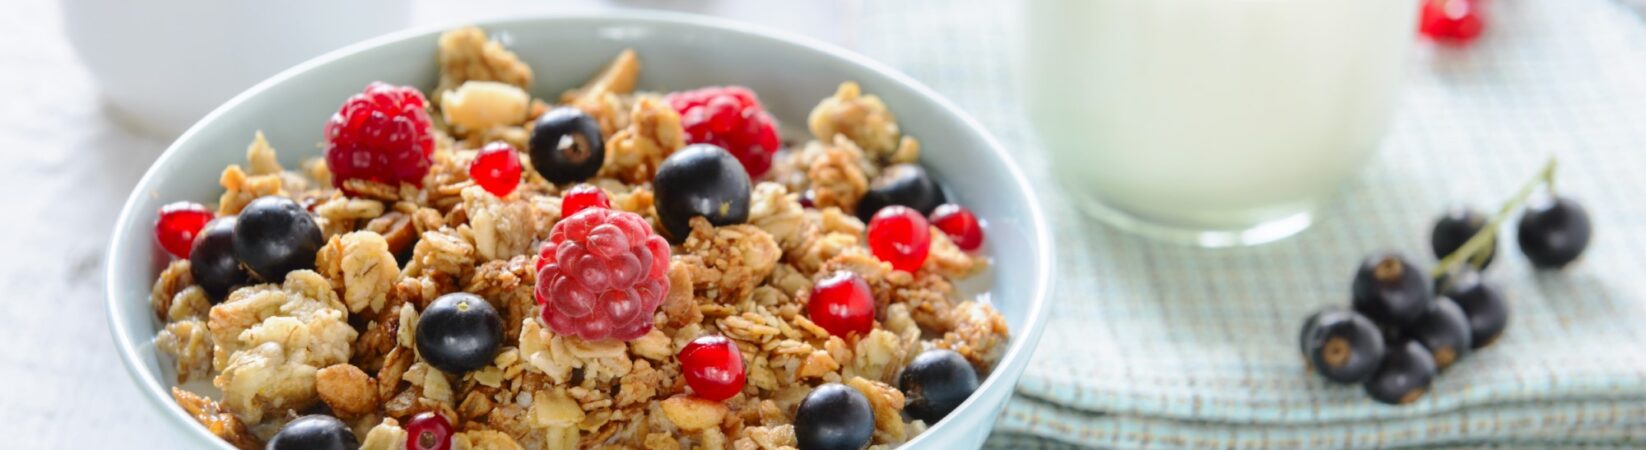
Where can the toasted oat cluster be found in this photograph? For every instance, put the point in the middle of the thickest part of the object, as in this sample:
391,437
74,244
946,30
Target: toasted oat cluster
338,334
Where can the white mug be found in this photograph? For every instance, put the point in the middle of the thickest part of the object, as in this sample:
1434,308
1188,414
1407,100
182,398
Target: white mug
162,64
1213,122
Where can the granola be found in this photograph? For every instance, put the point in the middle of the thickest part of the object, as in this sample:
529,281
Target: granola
466,54
343,336
866,121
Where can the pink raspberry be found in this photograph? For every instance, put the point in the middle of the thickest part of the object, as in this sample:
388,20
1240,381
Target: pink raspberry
603,275
380,135
729,117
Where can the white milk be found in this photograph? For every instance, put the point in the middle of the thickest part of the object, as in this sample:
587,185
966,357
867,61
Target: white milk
1217,122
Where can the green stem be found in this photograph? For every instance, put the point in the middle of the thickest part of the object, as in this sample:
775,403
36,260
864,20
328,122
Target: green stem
1473,249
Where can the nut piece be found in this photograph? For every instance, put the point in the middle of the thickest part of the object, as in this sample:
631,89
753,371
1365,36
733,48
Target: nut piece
555,408
479,105
692,413
617,78
385,436
346,389
603,97
466,54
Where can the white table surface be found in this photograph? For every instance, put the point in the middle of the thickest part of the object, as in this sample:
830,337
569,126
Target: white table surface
65,169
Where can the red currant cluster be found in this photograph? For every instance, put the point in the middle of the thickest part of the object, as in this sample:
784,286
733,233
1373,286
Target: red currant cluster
901,236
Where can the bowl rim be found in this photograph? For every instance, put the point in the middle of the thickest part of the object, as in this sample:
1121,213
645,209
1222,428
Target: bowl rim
1017,354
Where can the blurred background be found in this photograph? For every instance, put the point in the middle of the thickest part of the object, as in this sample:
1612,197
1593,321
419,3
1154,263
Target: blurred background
1158,330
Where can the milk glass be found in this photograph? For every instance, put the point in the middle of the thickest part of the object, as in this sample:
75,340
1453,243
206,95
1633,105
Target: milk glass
1212,122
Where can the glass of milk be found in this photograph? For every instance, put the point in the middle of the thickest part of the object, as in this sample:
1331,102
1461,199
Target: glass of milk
1212,122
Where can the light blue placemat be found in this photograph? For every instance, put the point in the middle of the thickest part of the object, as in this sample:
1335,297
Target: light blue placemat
1158,346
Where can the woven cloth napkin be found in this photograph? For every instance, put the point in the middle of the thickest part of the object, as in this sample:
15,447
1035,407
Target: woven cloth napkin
1155,346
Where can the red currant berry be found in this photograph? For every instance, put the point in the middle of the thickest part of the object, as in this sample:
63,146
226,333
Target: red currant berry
583,196
961,226
901,236
842,304
713,367
428,431
496,169
178,224
1455,22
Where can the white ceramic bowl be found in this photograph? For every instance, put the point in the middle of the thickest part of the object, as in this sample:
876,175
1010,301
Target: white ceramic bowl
789,73
145,55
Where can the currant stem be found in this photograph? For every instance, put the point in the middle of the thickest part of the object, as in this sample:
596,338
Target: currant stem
1472,250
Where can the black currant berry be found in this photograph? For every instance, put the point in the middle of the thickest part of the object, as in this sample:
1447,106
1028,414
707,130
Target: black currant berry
937,381
700,180
314,432
1391,291
1341,345
1553,233
212,262
1405,375
459,332
1455,228
566,145
834,417
276,236
1482,304
901,184
1444,330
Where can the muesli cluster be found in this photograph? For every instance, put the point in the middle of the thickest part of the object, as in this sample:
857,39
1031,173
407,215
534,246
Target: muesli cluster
475,268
